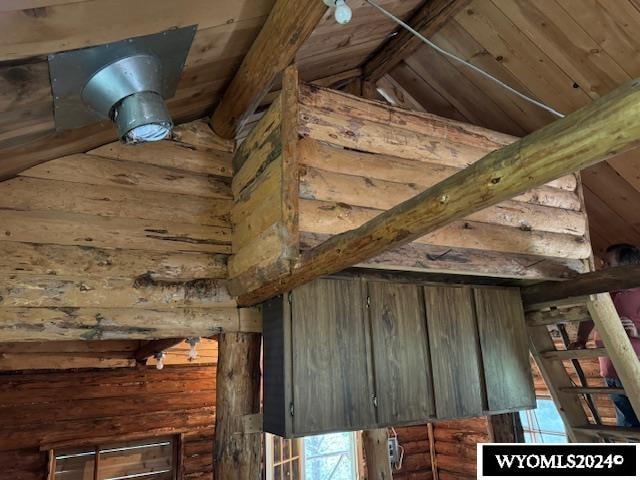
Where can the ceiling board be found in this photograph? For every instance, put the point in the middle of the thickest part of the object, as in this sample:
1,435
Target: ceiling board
565,53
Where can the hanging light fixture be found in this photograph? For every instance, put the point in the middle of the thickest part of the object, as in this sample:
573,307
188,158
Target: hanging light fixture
193,352
159,356
342,13
126,82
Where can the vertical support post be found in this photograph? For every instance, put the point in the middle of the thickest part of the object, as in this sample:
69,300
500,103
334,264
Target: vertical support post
505,428
236,453
376,454
615,340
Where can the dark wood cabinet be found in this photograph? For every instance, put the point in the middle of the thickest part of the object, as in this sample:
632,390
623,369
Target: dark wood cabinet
455,355
343,354
404,387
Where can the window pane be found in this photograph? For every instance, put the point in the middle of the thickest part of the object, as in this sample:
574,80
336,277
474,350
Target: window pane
330,457
550,438
74,464
548,417
543,424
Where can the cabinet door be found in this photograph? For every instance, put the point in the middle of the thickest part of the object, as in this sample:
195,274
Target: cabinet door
400,353
455,359
332,378
505,350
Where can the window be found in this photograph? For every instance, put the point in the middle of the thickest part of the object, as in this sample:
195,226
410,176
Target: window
332,456
544,424
145,460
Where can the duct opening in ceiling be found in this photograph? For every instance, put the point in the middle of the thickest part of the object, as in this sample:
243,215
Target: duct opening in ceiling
126,82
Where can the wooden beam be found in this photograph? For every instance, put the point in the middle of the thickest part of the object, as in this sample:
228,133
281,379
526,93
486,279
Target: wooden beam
427,20
618,346
41,324
286,29
376,453
607,280
152,347
605,128
236,453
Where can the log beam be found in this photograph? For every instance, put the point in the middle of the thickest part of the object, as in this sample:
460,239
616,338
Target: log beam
376,453
618,346
605,128
237,453
288,26
430,18
41,324
607,280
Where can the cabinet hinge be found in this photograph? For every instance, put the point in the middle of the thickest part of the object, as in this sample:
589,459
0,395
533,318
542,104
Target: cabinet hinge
375,400
290,298
291,409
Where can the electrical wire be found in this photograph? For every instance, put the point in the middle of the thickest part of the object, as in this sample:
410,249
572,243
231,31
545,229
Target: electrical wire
464,62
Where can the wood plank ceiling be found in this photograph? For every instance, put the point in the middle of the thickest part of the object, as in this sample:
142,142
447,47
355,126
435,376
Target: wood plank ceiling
563,52
226,30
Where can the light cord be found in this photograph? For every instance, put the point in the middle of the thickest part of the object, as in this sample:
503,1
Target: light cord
464,62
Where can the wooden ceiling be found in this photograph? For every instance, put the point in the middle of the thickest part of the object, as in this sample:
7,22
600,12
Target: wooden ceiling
563,52
226,30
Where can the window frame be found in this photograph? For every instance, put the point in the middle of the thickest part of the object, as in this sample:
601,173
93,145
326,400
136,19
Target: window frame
536,434
270,464
176,440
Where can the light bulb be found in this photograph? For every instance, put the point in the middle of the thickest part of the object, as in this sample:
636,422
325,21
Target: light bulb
343,12
193,353
159,360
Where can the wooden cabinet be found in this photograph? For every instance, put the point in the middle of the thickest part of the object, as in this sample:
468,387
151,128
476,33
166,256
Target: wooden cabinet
455,354
344,354
404,388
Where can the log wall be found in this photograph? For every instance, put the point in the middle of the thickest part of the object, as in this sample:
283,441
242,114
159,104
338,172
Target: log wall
358,158
120,242
80,408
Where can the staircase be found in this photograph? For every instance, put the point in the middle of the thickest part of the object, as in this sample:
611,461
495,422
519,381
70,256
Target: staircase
575,401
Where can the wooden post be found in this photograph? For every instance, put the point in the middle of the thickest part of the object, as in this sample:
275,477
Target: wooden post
237,454
615,339
376,454
505,428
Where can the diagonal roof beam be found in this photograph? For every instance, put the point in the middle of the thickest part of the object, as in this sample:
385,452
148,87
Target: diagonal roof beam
288,26
427,20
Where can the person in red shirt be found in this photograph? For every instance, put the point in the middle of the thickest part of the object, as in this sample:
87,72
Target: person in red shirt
627,303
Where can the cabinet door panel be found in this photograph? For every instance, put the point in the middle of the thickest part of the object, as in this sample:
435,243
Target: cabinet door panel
332,378
400,353
453,342
505,352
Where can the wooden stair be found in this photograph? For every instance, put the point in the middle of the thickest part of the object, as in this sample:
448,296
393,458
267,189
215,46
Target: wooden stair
575,403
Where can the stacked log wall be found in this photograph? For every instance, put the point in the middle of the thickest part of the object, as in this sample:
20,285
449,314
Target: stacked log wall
121,235
80,408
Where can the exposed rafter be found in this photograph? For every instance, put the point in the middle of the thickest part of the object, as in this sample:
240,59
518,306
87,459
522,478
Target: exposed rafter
427,20
600,130
288,26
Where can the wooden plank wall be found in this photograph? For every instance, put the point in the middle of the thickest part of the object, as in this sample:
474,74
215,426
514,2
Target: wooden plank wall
125,232
358,158
77,407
